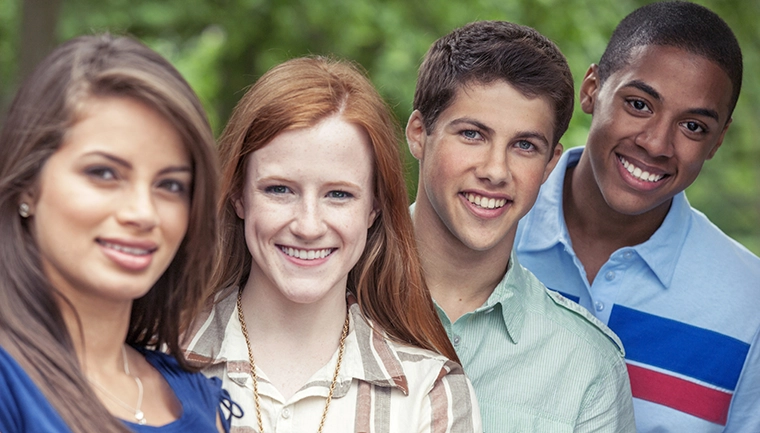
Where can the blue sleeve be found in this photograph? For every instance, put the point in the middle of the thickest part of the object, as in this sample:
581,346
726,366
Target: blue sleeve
23,408
744,413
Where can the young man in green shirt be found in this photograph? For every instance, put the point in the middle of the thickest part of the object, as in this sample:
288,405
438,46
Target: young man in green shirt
492,100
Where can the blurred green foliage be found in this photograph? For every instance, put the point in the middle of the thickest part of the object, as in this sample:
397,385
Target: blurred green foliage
222,46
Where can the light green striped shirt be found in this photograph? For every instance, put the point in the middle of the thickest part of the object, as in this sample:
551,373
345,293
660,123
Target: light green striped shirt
541,363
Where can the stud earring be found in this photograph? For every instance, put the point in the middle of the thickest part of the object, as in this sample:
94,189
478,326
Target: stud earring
23,210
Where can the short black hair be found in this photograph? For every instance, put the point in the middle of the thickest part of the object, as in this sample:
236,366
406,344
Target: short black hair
486,51
687,26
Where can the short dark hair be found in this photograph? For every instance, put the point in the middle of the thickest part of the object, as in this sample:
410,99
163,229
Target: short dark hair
486,51
688,26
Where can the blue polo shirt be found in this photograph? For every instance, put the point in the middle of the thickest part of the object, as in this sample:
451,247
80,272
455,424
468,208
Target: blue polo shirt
685,303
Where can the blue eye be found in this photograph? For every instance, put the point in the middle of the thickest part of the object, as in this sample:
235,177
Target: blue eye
277,189
470,134
525,145
339,194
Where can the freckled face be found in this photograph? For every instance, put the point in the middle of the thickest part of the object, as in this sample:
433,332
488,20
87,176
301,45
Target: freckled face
307,205
111,205
483,164
655,122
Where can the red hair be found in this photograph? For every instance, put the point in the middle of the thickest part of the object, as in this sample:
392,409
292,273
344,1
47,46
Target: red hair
387,280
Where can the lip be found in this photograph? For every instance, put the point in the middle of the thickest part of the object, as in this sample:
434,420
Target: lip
315,256
485,212
128,254
636,182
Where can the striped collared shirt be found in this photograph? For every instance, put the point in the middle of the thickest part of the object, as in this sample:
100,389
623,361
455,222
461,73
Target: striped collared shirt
382,387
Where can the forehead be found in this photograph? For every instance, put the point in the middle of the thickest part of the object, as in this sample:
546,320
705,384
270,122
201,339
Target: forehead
500,103
333,148
682,79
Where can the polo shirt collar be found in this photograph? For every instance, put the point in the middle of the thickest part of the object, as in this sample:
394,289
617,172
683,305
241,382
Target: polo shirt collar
545,227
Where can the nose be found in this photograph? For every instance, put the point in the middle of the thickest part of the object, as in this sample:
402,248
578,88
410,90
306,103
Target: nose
493,166
309,222
137,209
656,138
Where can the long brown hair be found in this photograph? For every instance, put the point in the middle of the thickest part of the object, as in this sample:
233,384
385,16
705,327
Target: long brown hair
387,280
32,329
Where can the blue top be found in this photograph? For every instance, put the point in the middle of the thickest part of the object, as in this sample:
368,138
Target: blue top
23,407
684,303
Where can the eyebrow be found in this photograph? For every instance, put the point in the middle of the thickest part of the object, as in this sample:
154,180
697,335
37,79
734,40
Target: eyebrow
472,122
477,124
646,88
124,163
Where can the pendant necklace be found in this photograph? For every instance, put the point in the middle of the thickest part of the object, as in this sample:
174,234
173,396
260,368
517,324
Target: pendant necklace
139,415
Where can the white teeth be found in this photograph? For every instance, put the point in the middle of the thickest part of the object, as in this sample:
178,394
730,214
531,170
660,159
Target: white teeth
126,250
307,254
638,173
485,202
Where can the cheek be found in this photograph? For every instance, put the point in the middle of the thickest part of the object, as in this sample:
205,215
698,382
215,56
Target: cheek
175,218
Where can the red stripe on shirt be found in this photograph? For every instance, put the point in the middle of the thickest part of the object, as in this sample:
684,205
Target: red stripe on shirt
679,394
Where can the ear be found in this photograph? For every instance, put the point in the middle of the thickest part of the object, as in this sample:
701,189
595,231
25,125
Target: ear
556,154
589,88
416,134
720,139
239,205
30,200
373,214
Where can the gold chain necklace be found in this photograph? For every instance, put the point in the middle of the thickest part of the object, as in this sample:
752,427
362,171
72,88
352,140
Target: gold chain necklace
256,400
139,415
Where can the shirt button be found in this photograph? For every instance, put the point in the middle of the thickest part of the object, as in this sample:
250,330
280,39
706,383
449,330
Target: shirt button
627,255
609,276
286,413
599,305
456,340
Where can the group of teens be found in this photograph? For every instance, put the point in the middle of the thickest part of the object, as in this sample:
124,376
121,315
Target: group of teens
153,279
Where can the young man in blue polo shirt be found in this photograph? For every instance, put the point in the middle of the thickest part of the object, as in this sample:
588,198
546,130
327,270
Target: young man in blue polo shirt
492,100
613,230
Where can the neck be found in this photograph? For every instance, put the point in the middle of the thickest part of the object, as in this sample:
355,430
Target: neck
98,331
460,279
596,230
290,342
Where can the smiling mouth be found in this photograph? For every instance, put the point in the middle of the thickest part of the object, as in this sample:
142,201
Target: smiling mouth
485,202
126,250
640,174
307,254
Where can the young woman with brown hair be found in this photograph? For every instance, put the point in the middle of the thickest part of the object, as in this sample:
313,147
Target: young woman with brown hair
108,183
322,320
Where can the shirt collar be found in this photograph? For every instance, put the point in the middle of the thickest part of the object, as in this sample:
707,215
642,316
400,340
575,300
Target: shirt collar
545,225
369,355
510,295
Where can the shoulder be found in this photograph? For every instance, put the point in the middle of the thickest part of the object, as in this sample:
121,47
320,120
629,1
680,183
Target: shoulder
568,319
587,323
203,341
23,407
722,248
181,380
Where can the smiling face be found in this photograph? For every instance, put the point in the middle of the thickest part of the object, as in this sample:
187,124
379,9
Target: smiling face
654,124
111,205
307,204
483,164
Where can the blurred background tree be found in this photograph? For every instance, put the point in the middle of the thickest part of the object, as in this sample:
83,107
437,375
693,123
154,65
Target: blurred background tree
222,46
